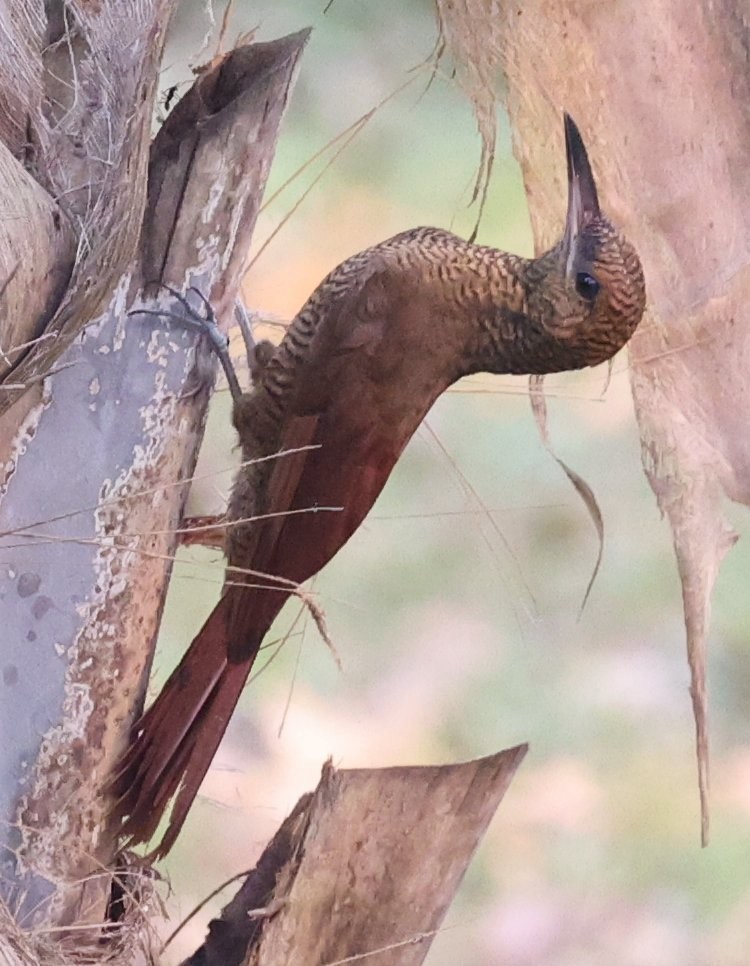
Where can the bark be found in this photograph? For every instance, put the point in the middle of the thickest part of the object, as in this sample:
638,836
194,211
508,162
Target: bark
673,173
663,101
94,454
78,86
364,867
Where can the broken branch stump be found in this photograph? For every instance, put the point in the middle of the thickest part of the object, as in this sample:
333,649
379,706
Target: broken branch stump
364,868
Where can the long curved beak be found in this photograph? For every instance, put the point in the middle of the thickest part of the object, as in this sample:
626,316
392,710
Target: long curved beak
583,202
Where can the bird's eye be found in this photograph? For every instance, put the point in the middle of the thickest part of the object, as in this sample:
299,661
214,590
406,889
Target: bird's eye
587,286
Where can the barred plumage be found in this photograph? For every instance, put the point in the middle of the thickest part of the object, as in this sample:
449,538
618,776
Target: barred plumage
381,337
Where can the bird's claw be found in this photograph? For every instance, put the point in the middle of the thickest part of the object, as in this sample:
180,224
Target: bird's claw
207,325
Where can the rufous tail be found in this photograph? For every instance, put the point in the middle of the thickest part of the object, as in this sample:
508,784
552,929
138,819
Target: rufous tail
176,739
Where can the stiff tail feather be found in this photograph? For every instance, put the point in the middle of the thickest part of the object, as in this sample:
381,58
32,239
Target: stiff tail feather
176,739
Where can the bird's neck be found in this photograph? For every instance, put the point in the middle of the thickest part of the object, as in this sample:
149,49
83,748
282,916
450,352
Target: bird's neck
496,318
507,333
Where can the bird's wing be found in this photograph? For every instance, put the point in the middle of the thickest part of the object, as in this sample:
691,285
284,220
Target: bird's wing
318,493
351,329
297,437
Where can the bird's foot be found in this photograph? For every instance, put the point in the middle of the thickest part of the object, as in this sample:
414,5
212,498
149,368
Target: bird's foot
206,324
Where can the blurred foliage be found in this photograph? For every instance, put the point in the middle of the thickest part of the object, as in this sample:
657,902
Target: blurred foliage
454,608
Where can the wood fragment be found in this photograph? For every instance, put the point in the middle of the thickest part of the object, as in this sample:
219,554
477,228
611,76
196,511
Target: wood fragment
364,868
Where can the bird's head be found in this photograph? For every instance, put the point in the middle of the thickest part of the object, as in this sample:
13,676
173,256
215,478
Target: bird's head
592,294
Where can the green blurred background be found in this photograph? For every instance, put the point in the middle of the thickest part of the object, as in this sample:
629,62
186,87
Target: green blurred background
454,609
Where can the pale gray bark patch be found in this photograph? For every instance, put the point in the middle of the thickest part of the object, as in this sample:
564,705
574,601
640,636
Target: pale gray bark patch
66,556
96,460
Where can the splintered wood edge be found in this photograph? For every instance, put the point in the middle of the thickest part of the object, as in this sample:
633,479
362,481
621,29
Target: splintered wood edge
370,861
217,136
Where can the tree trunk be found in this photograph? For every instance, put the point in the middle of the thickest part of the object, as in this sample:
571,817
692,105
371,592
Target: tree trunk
100,433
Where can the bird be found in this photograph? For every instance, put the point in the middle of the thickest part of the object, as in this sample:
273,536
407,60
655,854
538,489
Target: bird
328,415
